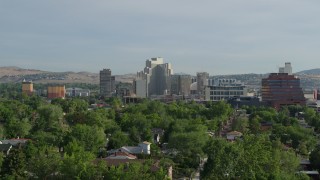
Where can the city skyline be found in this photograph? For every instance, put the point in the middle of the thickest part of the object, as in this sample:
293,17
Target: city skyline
216,37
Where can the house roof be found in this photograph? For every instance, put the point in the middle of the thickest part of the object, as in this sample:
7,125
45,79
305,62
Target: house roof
266,123
157,131
132,149
5,147
14,141
310,172
305,162
236,133
116,162
121,154
146,142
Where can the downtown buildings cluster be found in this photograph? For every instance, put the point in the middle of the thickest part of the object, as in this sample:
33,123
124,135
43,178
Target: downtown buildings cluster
157,81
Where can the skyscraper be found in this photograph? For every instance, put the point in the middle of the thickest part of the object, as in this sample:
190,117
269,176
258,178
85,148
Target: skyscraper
154,79
180,84
107,83
286,69
281,89
202,82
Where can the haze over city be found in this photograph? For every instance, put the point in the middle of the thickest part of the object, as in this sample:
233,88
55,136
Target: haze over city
219,37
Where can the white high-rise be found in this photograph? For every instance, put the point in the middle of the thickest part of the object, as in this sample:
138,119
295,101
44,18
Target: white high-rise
286,69
154,79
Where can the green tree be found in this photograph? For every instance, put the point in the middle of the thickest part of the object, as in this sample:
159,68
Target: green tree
1,160
17,128
50,117
14,165
91,138
78,165
222,160
117,140
44,164
253,157
315,158
241,124
254,124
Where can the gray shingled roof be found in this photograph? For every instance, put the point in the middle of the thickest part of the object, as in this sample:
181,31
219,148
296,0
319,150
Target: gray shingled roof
5,147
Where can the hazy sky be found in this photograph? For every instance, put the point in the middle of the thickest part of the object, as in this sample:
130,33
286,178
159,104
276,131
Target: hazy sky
220,37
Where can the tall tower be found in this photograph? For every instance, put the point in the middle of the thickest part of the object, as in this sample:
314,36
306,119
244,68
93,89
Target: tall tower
180,84
288,68
27,87
107,83
202,82
155,77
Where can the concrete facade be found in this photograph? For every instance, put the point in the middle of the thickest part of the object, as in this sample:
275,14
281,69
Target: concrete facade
286,69
223,89
77,92
202,83
156,76
107,83
180,84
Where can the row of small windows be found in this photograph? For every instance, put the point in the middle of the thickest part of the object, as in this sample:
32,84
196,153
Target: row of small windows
277,81
239,93
227,88
217,98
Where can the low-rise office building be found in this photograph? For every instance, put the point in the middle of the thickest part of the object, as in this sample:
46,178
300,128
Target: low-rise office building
77,92
223,89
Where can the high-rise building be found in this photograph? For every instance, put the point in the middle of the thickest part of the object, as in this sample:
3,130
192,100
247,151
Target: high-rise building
202,83
180,84
286,69
107,83
56,91
281,89
223,89
27,87
154,79
140,86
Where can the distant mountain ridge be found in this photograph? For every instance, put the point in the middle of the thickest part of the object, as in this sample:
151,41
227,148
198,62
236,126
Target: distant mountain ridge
309,78
310,72
17,74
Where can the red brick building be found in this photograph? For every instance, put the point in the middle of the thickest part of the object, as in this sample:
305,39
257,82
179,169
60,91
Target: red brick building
281,89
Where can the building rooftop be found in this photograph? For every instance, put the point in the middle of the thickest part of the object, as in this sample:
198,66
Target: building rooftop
14,142
234,133
5,147
132,149
310,172
121,154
